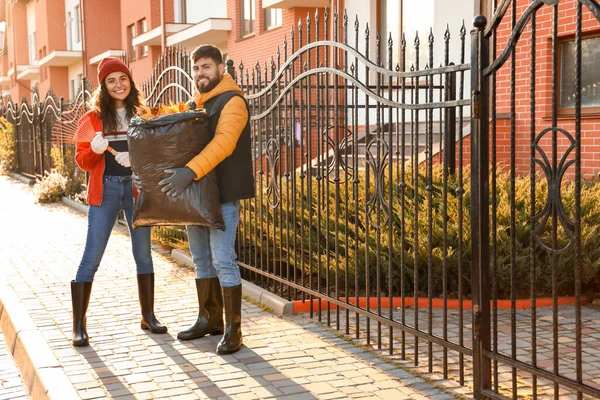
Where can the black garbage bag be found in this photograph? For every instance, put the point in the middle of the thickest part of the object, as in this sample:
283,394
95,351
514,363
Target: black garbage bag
171,141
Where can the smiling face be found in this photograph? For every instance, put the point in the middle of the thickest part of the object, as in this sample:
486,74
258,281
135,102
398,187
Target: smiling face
207,74
118,87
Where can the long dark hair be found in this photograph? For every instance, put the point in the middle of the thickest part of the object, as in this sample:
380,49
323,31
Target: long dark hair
104,105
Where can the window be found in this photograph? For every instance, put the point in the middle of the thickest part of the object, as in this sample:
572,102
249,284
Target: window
417,17
76,26
69,31
189,12
247,17
42,71
272,18
179,11
142,28
130,47
2,37
590,73
389,17
32,49
77,84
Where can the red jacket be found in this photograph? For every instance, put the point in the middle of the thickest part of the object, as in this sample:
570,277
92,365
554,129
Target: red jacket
92,162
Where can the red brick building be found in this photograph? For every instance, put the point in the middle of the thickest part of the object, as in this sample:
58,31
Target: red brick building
39,51
544,85
53,43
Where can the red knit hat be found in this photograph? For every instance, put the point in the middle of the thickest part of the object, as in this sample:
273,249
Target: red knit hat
109,65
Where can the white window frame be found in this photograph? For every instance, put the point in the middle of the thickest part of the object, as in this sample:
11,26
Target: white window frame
273,18
77,30
251,15
143,28
32,49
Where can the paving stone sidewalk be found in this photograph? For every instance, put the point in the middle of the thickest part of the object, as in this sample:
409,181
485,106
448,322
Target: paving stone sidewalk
296,358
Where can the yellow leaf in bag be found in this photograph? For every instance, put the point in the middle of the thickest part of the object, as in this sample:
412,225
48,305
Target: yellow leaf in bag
147,112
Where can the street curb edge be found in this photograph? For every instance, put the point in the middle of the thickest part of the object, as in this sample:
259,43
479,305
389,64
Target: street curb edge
41,372
23,178
83,208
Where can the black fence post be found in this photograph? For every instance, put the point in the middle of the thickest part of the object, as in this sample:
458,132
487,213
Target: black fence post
37,123
61,109
480,207
231,69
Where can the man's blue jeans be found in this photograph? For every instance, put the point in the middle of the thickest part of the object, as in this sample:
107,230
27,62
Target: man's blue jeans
117,195
213,250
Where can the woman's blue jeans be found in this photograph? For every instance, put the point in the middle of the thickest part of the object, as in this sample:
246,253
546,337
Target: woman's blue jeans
213,250
118,195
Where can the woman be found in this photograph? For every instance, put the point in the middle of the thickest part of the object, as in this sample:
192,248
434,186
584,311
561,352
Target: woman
110,190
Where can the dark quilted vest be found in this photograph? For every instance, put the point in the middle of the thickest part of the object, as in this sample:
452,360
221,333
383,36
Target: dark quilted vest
234,174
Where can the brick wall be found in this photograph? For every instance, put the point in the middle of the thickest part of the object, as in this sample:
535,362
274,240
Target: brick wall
263,44
103,29
132,12
17,47
590,125
51,36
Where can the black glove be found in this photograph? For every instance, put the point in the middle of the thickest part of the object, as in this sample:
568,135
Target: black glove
137,182
178,182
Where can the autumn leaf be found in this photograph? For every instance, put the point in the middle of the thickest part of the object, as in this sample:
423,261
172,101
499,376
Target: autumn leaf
146,112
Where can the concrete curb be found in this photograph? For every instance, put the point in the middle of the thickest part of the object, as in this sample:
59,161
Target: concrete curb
279,305
75,204
42,373
23,178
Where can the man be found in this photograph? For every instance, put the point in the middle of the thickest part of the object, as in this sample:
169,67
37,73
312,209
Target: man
213,250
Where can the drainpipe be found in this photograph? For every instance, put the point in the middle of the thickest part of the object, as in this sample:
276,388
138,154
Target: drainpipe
163,35
14,40
83,37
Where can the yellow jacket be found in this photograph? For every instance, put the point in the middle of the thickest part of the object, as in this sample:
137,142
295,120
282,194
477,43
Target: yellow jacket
229,128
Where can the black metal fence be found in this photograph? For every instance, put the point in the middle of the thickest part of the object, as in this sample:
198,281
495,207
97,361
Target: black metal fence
547,348
37,130
356,160
32,123
373,212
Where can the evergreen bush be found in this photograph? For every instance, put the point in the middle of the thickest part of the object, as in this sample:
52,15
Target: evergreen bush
301,241
8,147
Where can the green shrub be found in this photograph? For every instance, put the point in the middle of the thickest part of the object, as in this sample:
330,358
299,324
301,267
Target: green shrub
170,237
51,188
63,157
295,240
8,147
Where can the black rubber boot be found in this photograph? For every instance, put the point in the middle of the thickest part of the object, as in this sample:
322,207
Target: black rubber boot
210,311
146,295
232,339
80,298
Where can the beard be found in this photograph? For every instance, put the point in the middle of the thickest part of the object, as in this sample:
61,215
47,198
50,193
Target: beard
212,83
